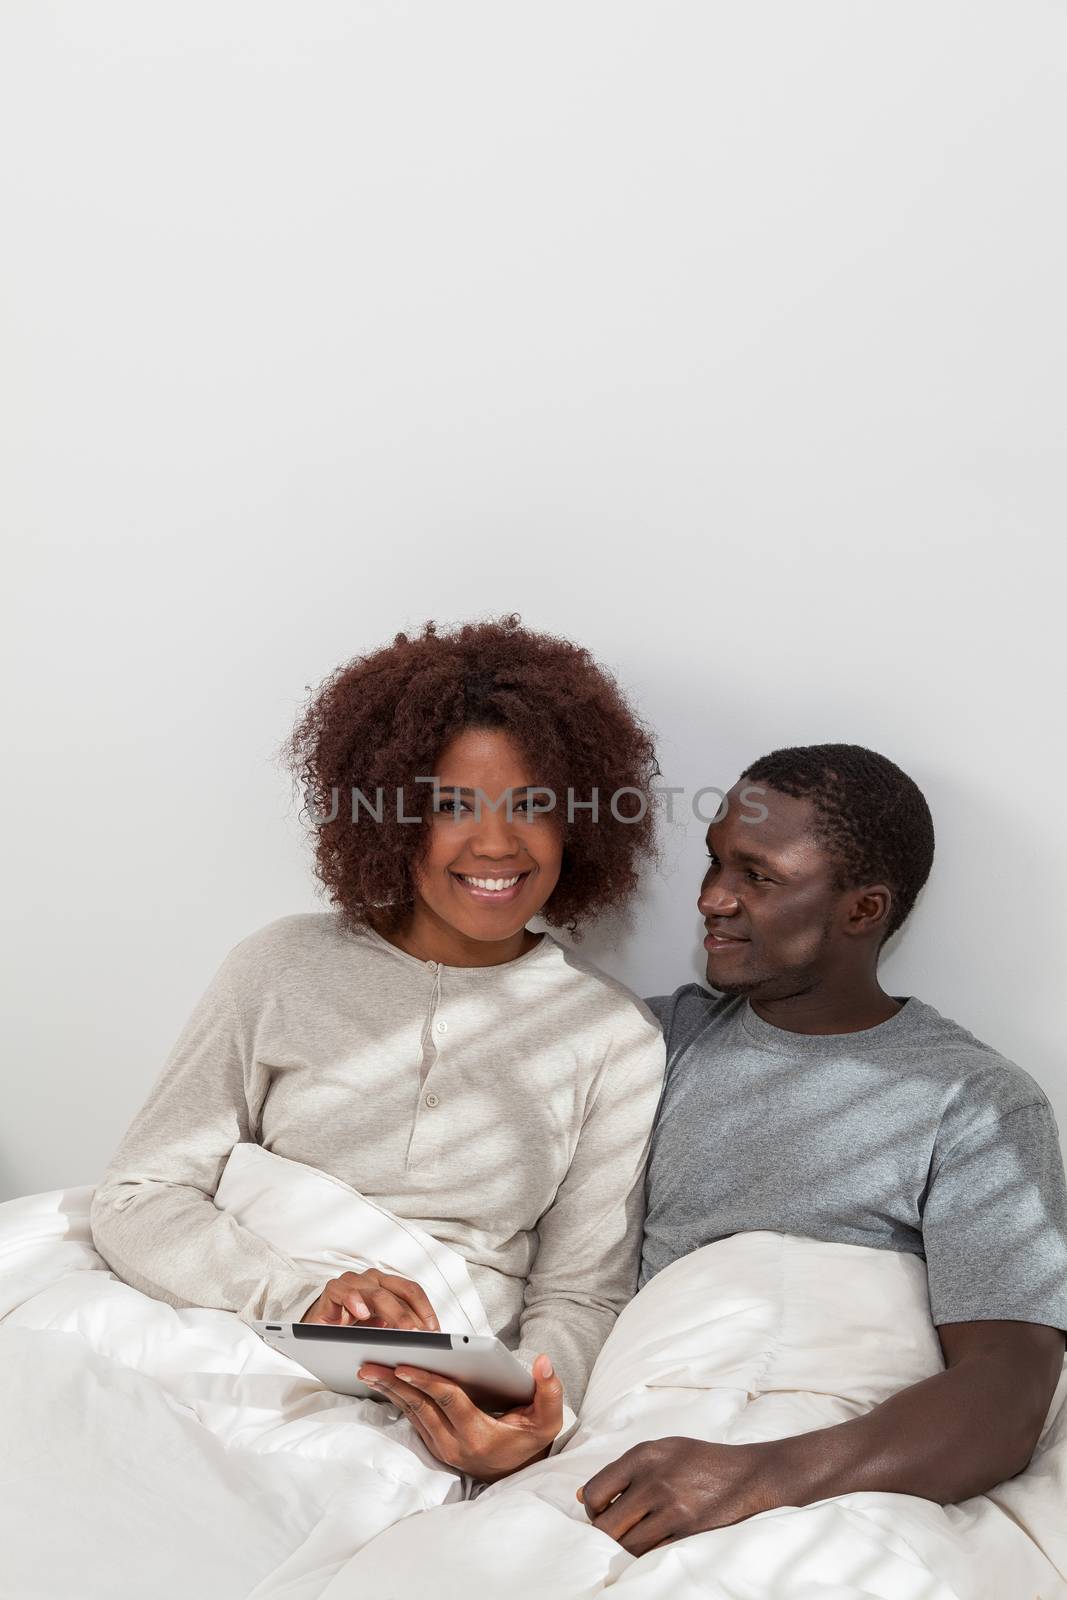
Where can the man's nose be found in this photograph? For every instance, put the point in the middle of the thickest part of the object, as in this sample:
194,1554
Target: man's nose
715,900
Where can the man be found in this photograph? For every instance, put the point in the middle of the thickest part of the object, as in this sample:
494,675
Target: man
803,1098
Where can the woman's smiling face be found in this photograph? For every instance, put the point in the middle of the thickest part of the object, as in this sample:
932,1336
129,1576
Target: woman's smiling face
484,876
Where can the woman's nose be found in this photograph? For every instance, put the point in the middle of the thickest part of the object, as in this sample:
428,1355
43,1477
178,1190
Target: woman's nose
496,836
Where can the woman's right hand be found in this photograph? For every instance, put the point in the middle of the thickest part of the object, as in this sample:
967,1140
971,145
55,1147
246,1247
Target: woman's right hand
375,1299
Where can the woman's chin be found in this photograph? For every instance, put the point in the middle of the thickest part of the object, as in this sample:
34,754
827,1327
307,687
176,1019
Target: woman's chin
491,913
490,929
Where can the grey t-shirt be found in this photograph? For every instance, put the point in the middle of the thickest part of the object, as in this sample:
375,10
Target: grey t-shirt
912,1135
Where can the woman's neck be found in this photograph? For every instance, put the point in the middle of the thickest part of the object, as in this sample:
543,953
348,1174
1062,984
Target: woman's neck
428,938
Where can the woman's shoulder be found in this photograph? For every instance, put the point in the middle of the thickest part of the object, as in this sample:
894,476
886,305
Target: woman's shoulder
287,944
608,998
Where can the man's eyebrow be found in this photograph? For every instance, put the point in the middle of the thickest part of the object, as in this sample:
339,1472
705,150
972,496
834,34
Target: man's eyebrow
750,858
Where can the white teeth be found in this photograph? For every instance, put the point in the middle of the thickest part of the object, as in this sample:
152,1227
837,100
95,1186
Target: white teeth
491,883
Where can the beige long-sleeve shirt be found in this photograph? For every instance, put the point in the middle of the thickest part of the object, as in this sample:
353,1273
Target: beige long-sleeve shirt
506,1110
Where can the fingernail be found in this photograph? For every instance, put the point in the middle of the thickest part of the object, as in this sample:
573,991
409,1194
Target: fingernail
548,1366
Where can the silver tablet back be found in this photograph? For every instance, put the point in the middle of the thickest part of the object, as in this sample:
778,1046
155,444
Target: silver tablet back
484,1367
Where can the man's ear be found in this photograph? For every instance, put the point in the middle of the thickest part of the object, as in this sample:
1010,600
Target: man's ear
868,910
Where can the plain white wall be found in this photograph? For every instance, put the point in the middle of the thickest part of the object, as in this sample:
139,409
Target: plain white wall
728,340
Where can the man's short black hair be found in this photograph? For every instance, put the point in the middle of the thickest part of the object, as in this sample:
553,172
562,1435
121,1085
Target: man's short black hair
869,814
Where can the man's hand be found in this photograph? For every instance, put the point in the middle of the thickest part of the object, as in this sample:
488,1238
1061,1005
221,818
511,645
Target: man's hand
946,1438
375,1299
667,1489
463,1436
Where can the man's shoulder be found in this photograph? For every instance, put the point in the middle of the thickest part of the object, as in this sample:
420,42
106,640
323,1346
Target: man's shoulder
980,1079
688,1011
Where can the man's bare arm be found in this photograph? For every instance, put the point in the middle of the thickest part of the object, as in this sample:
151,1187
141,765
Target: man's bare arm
951,1436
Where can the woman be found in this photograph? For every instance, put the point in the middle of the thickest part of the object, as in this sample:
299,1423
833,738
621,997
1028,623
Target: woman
421,1043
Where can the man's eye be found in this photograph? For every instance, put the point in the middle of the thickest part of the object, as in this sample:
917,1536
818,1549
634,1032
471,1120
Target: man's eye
750,872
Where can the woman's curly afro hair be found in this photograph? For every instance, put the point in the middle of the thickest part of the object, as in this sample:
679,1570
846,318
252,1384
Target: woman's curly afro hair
383,719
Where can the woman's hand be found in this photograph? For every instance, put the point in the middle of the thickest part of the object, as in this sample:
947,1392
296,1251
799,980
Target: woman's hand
459,1433
376,1299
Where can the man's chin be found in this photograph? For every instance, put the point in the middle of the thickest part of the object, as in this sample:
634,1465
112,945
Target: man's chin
729,986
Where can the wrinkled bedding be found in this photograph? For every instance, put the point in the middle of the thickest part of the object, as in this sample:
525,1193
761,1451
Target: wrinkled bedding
148,1450
156,1451
755,1337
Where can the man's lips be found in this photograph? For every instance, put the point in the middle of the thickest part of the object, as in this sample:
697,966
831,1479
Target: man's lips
714,940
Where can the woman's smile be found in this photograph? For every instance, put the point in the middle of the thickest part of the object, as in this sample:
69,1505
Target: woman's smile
498,890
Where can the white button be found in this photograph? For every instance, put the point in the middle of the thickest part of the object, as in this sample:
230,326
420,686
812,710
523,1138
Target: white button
442,1027
432,1100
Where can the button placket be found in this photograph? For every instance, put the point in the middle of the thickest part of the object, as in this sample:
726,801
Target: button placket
437,1028
428,1049
440,1027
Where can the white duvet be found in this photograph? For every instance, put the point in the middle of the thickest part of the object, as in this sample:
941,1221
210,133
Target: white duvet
154,1452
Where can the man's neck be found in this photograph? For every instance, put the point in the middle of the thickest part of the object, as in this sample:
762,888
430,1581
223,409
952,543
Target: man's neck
829,1008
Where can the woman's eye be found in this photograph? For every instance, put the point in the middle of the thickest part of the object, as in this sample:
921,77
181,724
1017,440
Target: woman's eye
451,808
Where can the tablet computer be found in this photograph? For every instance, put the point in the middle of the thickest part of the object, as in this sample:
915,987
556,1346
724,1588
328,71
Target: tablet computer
482,1366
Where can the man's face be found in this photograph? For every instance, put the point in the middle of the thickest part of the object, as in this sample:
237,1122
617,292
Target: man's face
768,899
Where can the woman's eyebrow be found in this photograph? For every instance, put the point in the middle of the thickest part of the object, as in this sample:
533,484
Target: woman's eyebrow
458,788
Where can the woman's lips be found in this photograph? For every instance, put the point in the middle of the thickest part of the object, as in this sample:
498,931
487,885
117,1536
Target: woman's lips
494,897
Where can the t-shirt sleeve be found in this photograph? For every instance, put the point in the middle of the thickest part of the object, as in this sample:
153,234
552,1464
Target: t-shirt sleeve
995,1223
660,1007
